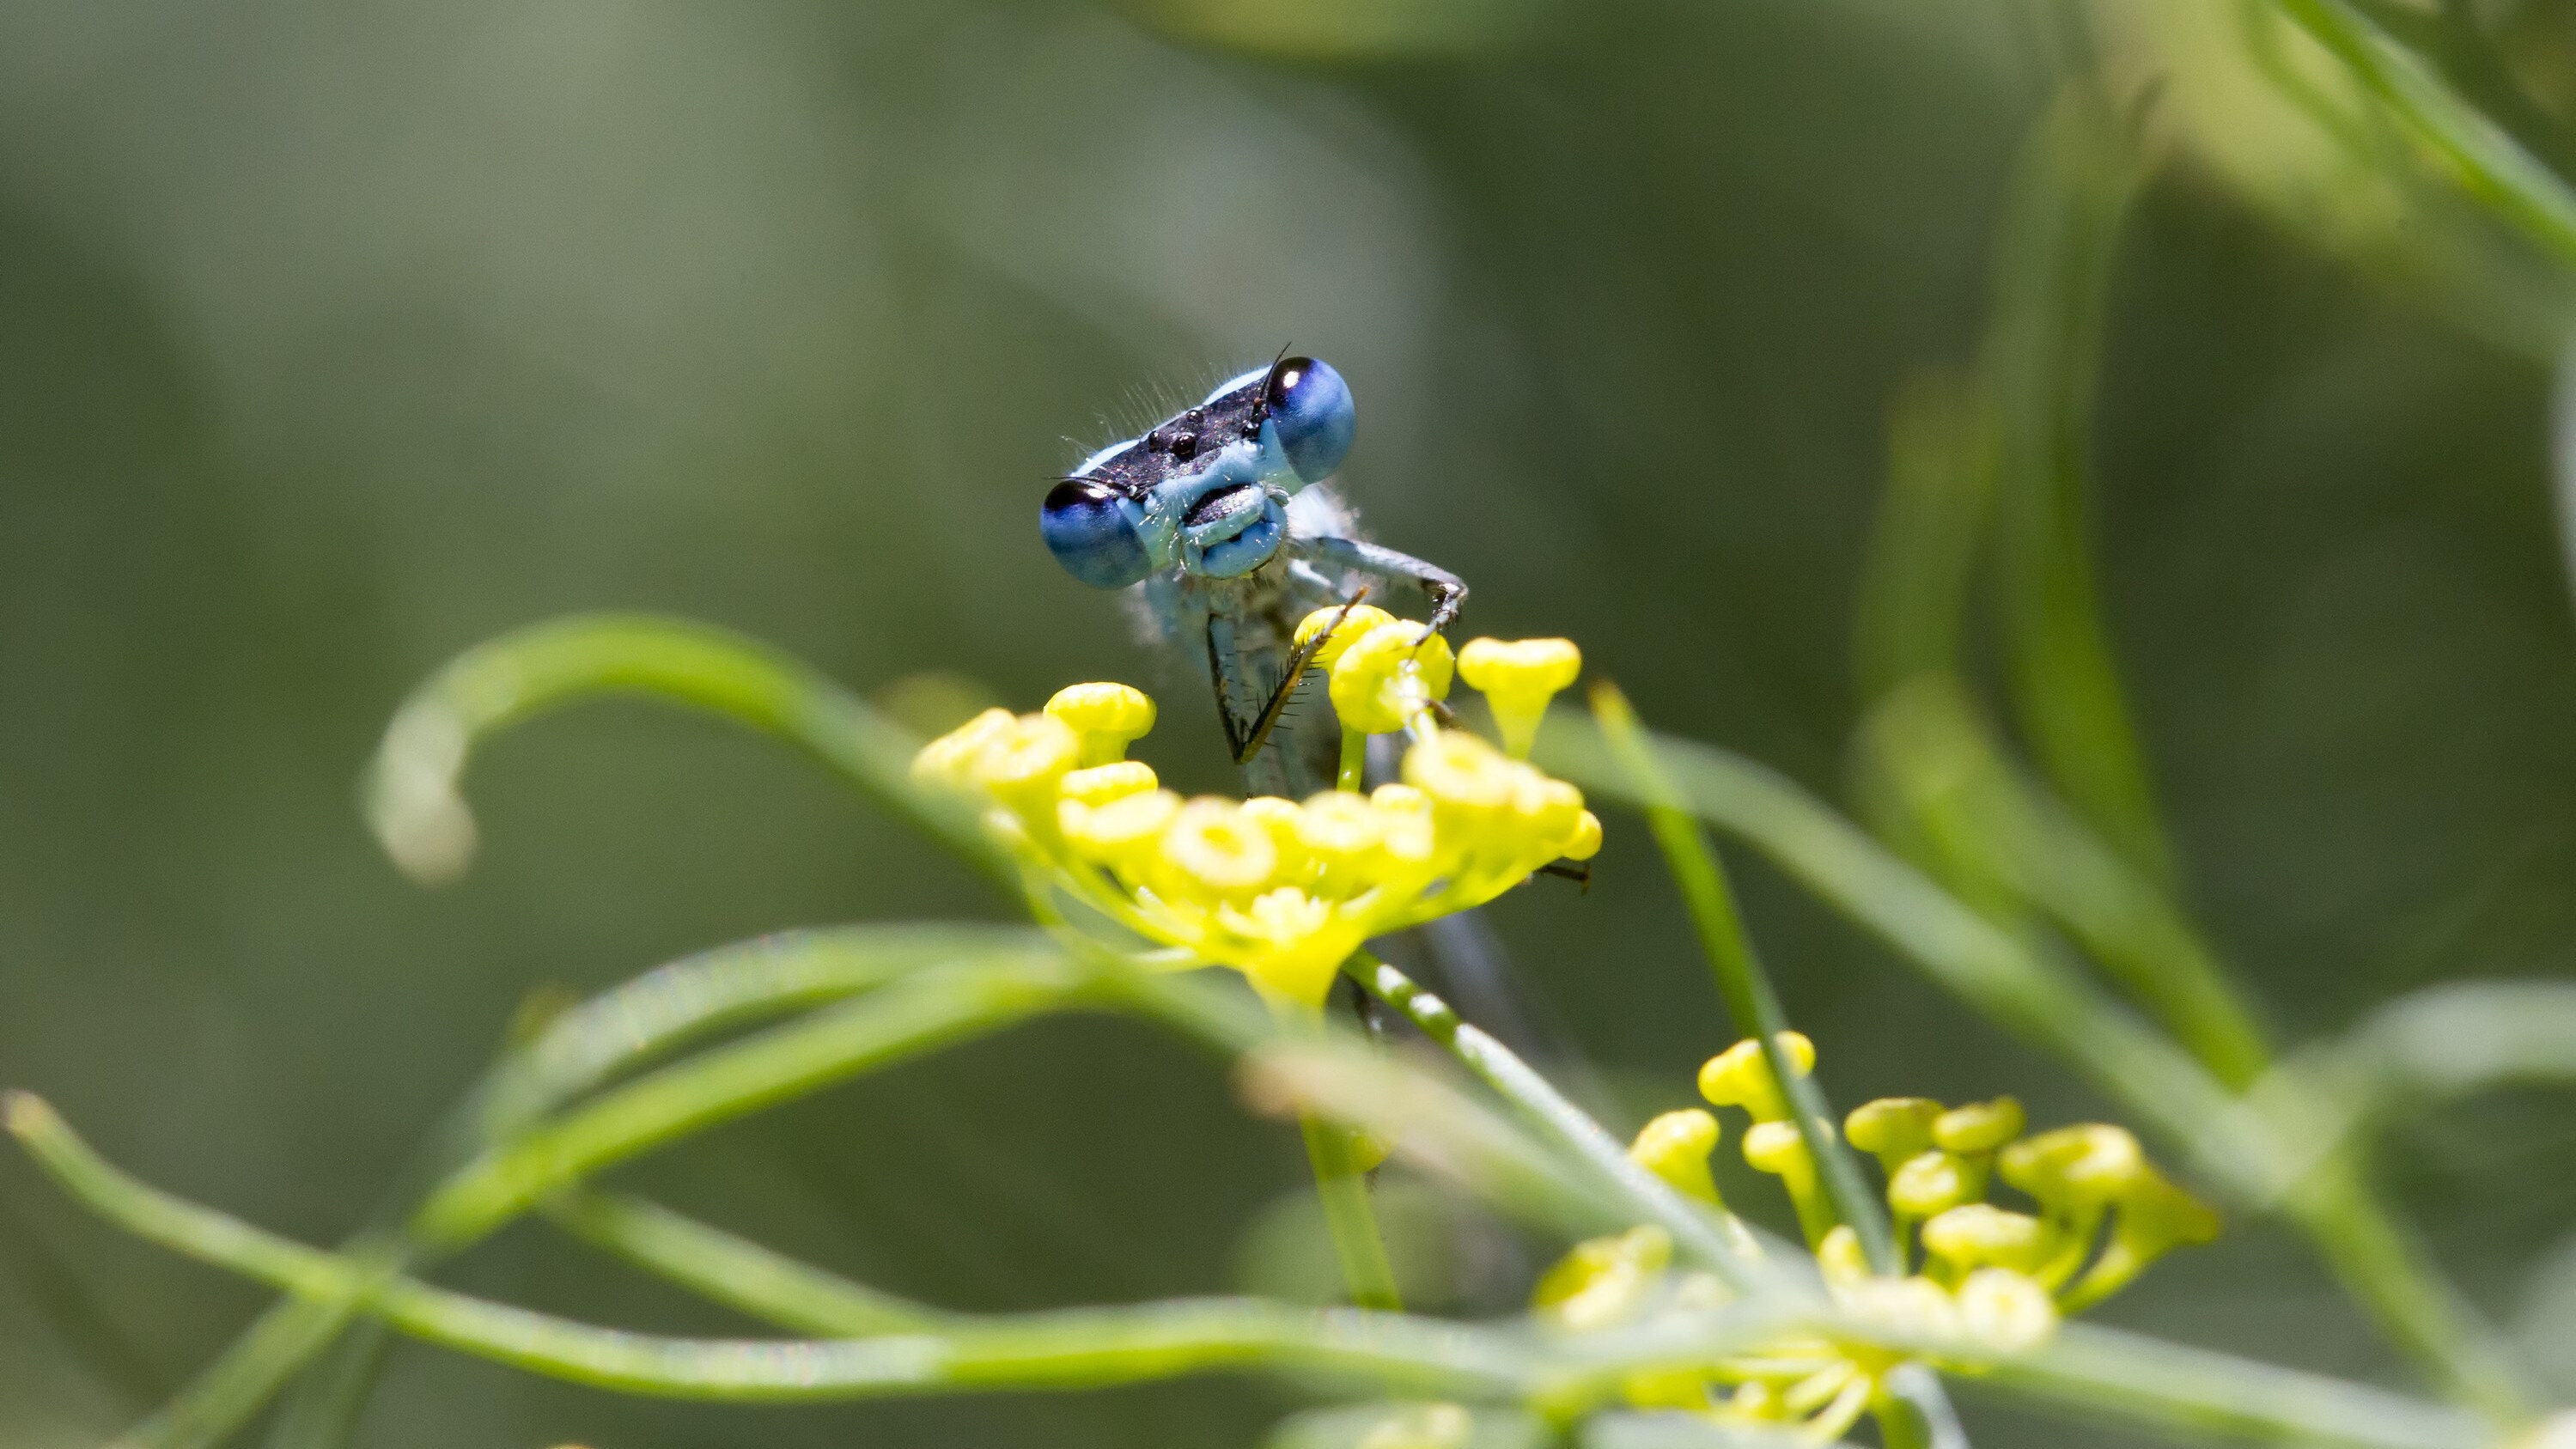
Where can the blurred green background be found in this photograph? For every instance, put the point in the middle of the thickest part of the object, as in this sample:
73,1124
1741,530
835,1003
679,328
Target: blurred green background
335,339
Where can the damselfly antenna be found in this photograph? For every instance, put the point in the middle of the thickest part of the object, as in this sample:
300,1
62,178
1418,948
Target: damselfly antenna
1269,386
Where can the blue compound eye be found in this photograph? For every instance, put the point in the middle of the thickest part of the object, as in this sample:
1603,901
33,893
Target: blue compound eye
1310,406
1091,535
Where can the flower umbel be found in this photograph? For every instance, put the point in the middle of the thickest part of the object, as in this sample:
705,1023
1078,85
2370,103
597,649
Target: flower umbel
1987,1277
1281,890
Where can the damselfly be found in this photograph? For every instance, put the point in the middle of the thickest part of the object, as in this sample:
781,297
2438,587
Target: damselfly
1220,521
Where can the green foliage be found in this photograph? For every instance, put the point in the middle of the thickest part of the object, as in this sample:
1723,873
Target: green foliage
2041,893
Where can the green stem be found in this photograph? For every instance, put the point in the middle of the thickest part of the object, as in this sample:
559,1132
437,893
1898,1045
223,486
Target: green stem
2045,1003
893,1024
1743,984
1343,1190
578,1050
1696,1231
715,1264
2102,1373
613,1032
1067,1349
411,793
2061,226
1353,775
2488,163
2382,1265
1341,1185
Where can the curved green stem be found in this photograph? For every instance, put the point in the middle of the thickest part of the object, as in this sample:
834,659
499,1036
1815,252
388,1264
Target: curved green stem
1349,1217
581,1048
411,789
1072,1348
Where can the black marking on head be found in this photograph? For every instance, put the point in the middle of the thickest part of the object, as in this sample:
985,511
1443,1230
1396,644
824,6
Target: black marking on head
1179,445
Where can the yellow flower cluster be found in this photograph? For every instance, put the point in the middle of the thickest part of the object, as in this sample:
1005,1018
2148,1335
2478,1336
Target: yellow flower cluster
1983,1274
1281,890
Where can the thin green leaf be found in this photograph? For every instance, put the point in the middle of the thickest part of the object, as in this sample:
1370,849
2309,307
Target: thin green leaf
2488,163
1998,974
927,1011
2471,1036
2001,841
412,797
737,1272
584,1046
1698,1233
2061,222
2045,1003
1741,982
1079,1348
1427,1124
720,989
2106,1375
1910,614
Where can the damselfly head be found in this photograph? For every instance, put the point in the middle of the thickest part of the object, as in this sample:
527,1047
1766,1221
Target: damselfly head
1202,489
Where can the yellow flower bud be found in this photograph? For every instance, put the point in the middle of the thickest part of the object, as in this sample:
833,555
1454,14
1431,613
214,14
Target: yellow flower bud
1601,1281
945,759
1776,1148
1930,1183
1409,842
1585,842
1397,799
1105,716
1978,1126
2155,1217
1675,1147
1740,1077
1101,784
1892,1129
2076,1168
1121,833
1469,783
1281,818
1391,674
1022,763
1518,678
2158,1212
1839,1256
1978,1235
1550,811
1358,624
2005,1310
1212,849
1340,834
